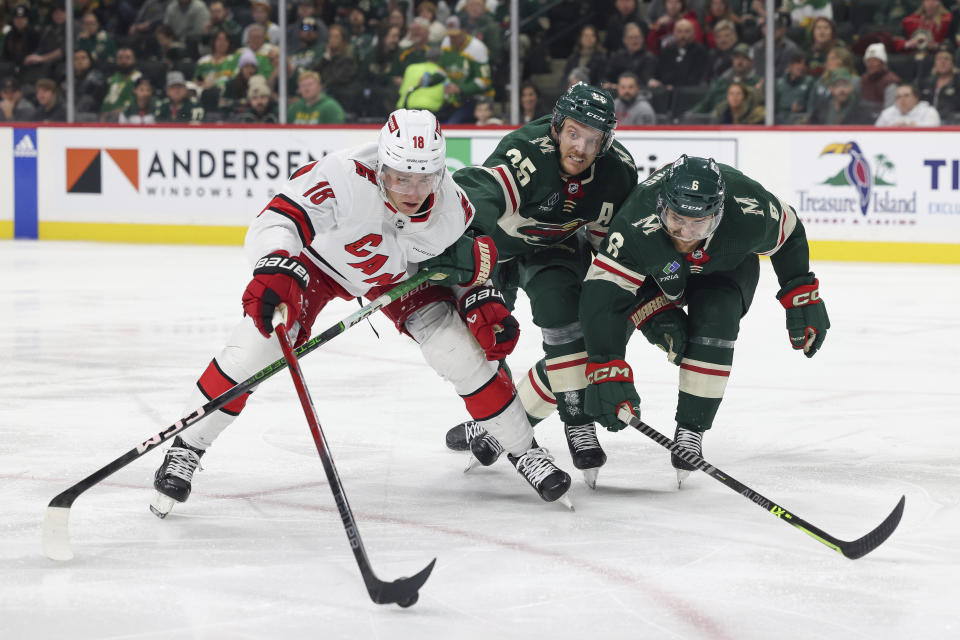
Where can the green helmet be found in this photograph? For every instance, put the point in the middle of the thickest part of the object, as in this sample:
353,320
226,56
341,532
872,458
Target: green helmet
693,188
590,106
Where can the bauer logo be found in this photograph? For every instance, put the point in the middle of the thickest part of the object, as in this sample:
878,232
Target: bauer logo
102,170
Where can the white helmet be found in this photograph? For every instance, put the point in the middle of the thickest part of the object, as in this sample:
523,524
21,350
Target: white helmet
411,142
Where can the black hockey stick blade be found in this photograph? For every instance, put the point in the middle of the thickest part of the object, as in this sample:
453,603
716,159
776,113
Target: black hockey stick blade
402,591
849,549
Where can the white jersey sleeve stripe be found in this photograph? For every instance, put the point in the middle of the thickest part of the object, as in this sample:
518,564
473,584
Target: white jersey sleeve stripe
788,222
504,178
605,269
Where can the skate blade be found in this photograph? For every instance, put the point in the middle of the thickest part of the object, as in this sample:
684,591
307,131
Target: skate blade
590,477
472,463
682,474
162,505
565,501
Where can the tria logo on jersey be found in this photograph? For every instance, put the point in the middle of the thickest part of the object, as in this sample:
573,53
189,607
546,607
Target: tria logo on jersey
102,170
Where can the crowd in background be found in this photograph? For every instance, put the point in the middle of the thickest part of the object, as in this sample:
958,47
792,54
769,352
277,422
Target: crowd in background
857,62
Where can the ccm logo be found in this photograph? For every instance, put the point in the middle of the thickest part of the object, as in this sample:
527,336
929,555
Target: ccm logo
807,297
608,374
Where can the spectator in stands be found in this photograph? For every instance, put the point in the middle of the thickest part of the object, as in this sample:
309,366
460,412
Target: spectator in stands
416,52
878,84
742,71
257,42
89,87
838,58
359,37
631,57
222,20
21,39
792,91
719,11
742,106
120,85
47,59
235,90
926,27
803,12
50,107
397,18
376,75
13,106
683,62
942,87
338,67
305,52
631,108
720,57
145,24
579,74
314,106
422,86
845,106
98,43
169,49
178,105
909,110
626,12
587,53
478,22
261,107
663,31
305,9
823,39
437,31
531,106
484,114
142,108
218,66
783,47
260,10
466,63
186,18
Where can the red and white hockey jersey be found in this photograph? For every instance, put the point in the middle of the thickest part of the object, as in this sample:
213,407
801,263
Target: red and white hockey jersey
332,213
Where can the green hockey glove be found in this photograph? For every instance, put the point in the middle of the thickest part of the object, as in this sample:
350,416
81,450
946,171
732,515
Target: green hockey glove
807,320
610,386
664,324
468,261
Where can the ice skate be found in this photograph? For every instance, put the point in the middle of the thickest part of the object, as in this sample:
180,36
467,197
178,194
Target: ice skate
689,440
585,451
173,479
459,437
537,467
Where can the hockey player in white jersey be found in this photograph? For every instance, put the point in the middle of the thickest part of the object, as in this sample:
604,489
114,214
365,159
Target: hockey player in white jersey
356,223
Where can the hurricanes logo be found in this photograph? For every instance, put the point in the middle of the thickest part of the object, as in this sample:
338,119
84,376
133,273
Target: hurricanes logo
89,169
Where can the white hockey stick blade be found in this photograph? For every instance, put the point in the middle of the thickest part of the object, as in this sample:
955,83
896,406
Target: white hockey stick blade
162,505
565,501
590,477
56,534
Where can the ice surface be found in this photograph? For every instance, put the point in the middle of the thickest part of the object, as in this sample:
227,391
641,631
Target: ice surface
100,344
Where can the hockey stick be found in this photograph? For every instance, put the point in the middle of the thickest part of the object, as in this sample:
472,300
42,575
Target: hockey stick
56,534
403,591
853,550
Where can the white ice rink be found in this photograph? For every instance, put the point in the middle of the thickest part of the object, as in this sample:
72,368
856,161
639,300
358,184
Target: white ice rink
100,344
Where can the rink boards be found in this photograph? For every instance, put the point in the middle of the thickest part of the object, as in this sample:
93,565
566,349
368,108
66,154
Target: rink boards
863,194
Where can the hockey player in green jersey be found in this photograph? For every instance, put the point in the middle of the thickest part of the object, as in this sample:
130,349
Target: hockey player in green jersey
546,194
690,235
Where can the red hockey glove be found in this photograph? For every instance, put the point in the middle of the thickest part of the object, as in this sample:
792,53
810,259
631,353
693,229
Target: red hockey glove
490,321
277,279
610,387
807,320
468,261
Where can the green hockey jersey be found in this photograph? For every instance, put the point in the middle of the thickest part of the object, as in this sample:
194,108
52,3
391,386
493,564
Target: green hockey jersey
637,247
524,204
